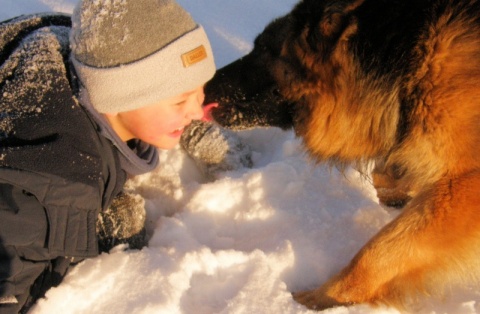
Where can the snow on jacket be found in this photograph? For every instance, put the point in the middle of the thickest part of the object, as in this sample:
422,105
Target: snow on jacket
56,170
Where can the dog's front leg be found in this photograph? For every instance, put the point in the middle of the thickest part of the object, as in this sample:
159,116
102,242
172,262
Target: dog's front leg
434,241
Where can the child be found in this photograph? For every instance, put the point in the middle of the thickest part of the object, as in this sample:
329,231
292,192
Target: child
82,109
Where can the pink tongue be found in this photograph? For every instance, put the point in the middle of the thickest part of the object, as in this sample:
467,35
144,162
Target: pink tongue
207,111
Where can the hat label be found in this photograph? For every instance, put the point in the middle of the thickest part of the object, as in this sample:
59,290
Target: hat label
194,56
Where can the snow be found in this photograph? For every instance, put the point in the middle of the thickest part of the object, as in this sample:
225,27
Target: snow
242,243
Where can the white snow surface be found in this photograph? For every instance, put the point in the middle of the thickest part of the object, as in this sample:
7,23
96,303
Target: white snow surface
242,243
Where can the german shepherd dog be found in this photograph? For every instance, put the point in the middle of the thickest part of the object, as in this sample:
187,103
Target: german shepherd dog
391,81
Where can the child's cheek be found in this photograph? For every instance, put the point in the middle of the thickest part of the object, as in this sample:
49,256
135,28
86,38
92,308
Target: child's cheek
160,130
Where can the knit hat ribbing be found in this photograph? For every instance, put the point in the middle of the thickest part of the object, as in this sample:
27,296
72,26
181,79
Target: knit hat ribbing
133,53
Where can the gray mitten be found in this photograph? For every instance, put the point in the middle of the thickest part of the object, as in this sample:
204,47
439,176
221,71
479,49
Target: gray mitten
123,223
215,149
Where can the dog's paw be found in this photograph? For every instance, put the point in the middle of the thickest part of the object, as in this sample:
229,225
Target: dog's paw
395,198
315,299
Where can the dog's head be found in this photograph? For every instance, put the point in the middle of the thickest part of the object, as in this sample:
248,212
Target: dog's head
285,66
313,70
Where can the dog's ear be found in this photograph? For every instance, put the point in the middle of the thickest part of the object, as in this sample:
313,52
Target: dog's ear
331,24
325,32
329,21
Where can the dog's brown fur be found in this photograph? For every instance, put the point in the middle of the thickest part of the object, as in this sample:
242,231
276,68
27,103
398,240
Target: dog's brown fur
422,125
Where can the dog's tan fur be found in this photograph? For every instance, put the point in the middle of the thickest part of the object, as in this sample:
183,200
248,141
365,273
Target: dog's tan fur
396,82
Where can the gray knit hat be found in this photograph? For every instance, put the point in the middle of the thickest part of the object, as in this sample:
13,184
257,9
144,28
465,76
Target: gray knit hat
133,53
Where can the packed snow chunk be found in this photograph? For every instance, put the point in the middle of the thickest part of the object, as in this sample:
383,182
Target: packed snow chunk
218,197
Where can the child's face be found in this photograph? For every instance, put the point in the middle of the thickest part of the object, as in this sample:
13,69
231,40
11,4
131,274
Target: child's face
161,124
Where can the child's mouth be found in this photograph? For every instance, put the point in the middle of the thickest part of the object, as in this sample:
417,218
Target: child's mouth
177,132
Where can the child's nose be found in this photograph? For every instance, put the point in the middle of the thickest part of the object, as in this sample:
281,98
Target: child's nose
196,111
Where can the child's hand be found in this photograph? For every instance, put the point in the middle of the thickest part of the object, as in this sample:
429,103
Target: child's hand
207,111
214,149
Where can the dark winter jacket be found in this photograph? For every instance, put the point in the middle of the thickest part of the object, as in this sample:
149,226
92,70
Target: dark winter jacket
57,170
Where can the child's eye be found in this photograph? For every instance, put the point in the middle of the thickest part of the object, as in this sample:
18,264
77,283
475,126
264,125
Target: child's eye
180,103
